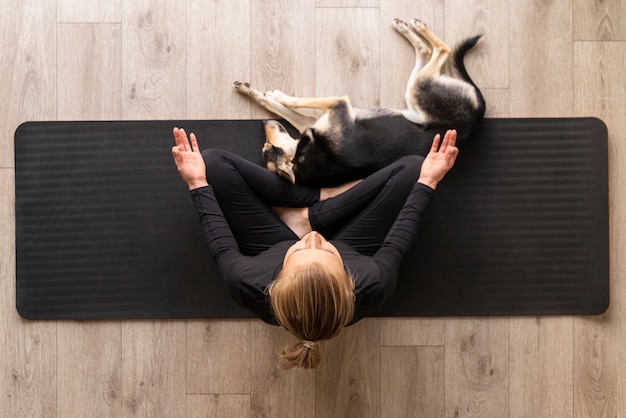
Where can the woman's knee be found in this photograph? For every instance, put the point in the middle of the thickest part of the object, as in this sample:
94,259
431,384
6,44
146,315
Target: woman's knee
410,164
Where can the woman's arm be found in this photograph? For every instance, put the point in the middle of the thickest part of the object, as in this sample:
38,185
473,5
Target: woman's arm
402,234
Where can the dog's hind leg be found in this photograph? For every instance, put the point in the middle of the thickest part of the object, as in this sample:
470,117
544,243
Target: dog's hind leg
299,120
431,70
422,56
440,52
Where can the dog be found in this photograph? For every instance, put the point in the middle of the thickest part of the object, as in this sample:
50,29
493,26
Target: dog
347,143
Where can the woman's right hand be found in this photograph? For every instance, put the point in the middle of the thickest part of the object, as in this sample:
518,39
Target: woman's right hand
439,160
188,159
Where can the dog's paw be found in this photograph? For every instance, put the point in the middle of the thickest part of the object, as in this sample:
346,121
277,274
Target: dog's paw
418,26
400,25
241,86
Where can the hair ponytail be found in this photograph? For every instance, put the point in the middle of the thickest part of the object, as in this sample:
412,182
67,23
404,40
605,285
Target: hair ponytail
300,354
313,303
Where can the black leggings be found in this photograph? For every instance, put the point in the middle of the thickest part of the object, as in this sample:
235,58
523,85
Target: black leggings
360,217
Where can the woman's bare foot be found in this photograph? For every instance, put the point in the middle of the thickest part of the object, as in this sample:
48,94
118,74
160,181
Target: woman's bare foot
297,219
328,192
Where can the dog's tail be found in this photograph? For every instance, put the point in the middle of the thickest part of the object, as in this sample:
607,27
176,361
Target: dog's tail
458,55
458,67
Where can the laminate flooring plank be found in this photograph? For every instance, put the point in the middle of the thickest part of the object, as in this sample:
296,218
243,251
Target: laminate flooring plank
276,393
476,363
541,363
153,368
412,381
28,370
412,331
347,3
282,49
154,59
28,65
218,357
541,53
218,53
222,406
348,55
89,11
599,20
89,367
90,70
599,349
347,382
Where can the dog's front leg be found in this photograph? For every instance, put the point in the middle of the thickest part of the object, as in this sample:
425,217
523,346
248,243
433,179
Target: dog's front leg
299,120
320,103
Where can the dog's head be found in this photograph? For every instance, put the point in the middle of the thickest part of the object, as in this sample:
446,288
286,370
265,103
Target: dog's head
279,150
301,158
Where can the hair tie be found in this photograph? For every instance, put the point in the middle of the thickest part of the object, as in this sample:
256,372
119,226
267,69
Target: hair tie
308,344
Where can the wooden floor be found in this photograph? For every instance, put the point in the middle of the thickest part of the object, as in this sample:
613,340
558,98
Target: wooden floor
159,59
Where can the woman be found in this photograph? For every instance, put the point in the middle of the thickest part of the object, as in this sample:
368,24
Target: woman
311,260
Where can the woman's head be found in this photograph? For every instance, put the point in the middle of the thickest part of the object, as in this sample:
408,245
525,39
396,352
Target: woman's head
312,297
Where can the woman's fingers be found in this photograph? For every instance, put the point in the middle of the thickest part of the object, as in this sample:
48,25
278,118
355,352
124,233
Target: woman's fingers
435,145
194,143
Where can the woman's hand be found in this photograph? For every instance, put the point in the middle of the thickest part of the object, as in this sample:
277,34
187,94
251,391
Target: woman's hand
439,160
188,159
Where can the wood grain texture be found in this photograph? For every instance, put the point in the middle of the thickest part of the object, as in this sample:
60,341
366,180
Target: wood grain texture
153,56
347,58
218,45
599,358
282,48
541,367
599,20
540,53
347,383
218,357
412,331
477,375
276,393
89,369
77,11
223,406
28,64
153,363
412,381
89,60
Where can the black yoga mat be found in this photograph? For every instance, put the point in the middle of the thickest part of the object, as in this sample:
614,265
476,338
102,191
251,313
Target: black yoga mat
105,228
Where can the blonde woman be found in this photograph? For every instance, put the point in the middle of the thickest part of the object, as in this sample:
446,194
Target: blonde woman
308,259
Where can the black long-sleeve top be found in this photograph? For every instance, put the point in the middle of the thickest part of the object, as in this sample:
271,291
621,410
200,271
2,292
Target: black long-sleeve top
247,277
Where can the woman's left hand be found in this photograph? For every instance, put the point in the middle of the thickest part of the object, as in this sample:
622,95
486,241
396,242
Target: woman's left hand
188,159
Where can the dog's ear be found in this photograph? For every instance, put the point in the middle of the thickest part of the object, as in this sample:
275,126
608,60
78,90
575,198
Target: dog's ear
284,167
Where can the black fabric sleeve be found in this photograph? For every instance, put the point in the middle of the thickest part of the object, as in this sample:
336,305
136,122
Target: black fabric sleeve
402,234
219,238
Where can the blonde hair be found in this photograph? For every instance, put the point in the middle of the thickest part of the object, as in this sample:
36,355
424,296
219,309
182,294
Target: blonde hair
312,302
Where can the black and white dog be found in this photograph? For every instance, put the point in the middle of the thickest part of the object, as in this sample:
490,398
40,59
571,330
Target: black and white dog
347,143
